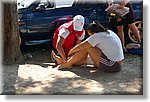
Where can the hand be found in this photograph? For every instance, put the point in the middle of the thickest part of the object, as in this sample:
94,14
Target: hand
64,59
70,52
120,7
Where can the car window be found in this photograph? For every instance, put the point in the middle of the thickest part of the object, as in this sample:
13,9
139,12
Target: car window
84,2
48,3
39,5
80,3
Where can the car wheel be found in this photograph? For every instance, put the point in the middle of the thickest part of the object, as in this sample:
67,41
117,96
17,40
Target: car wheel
139,25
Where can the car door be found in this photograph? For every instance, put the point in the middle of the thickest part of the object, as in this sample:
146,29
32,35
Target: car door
38,20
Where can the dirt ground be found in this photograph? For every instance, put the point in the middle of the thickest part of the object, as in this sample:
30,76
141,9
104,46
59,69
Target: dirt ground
37,75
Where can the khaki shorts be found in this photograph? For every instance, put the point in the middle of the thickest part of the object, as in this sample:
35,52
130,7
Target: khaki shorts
106,64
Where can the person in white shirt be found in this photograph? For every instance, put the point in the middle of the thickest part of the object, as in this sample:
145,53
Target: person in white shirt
103,49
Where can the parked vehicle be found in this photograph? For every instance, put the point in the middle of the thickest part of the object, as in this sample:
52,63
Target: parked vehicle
38,19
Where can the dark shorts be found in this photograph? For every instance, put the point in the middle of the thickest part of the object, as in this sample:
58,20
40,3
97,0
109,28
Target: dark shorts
109,66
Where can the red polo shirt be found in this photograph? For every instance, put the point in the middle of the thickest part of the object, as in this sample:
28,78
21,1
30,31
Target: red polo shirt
71,39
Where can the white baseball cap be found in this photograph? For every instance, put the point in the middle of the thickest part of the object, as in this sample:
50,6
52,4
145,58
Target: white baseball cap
78,22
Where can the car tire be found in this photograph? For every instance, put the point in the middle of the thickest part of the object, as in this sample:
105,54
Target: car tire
129,36
139,25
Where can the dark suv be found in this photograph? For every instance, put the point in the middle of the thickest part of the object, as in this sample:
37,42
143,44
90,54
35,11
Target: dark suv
38,21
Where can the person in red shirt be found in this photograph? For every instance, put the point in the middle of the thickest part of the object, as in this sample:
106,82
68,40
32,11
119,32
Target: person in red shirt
68,35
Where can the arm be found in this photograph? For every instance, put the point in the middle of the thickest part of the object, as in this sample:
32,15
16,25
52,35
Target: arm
109,2
63,33
83,45
123,4
59,47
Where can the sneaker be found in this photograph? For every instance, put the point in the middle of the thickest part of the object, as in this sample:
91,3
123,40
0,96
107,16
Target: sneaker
133,45
141,43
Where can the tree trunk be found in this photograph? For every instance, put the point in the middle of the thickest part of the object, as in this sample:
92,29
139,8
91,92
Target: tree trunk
11,38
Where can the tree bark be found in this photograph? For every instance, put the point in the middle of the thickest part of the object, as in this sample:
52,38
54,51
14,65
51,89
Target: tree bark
11,38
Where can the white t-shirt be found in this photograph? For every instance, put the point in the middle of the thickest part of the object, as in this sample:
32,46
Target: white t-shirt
109,43
64,33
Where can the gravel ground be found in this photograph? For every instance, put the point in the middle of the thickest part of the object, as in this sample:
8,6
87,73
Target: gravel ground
39,76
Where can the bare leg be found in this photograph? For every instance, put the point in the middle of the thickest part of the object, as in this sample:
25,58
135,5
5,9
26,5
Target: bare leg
121,35
135,31
60,60
76,58
81,62
94,53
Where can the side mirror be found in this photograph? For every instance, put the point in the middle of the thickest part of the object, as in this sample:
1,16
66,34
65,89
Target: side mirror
39,8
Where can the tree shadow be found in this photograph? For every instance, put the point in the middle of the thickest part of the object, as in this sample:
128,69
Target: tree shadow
113,82
61,86
9,76
110,84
